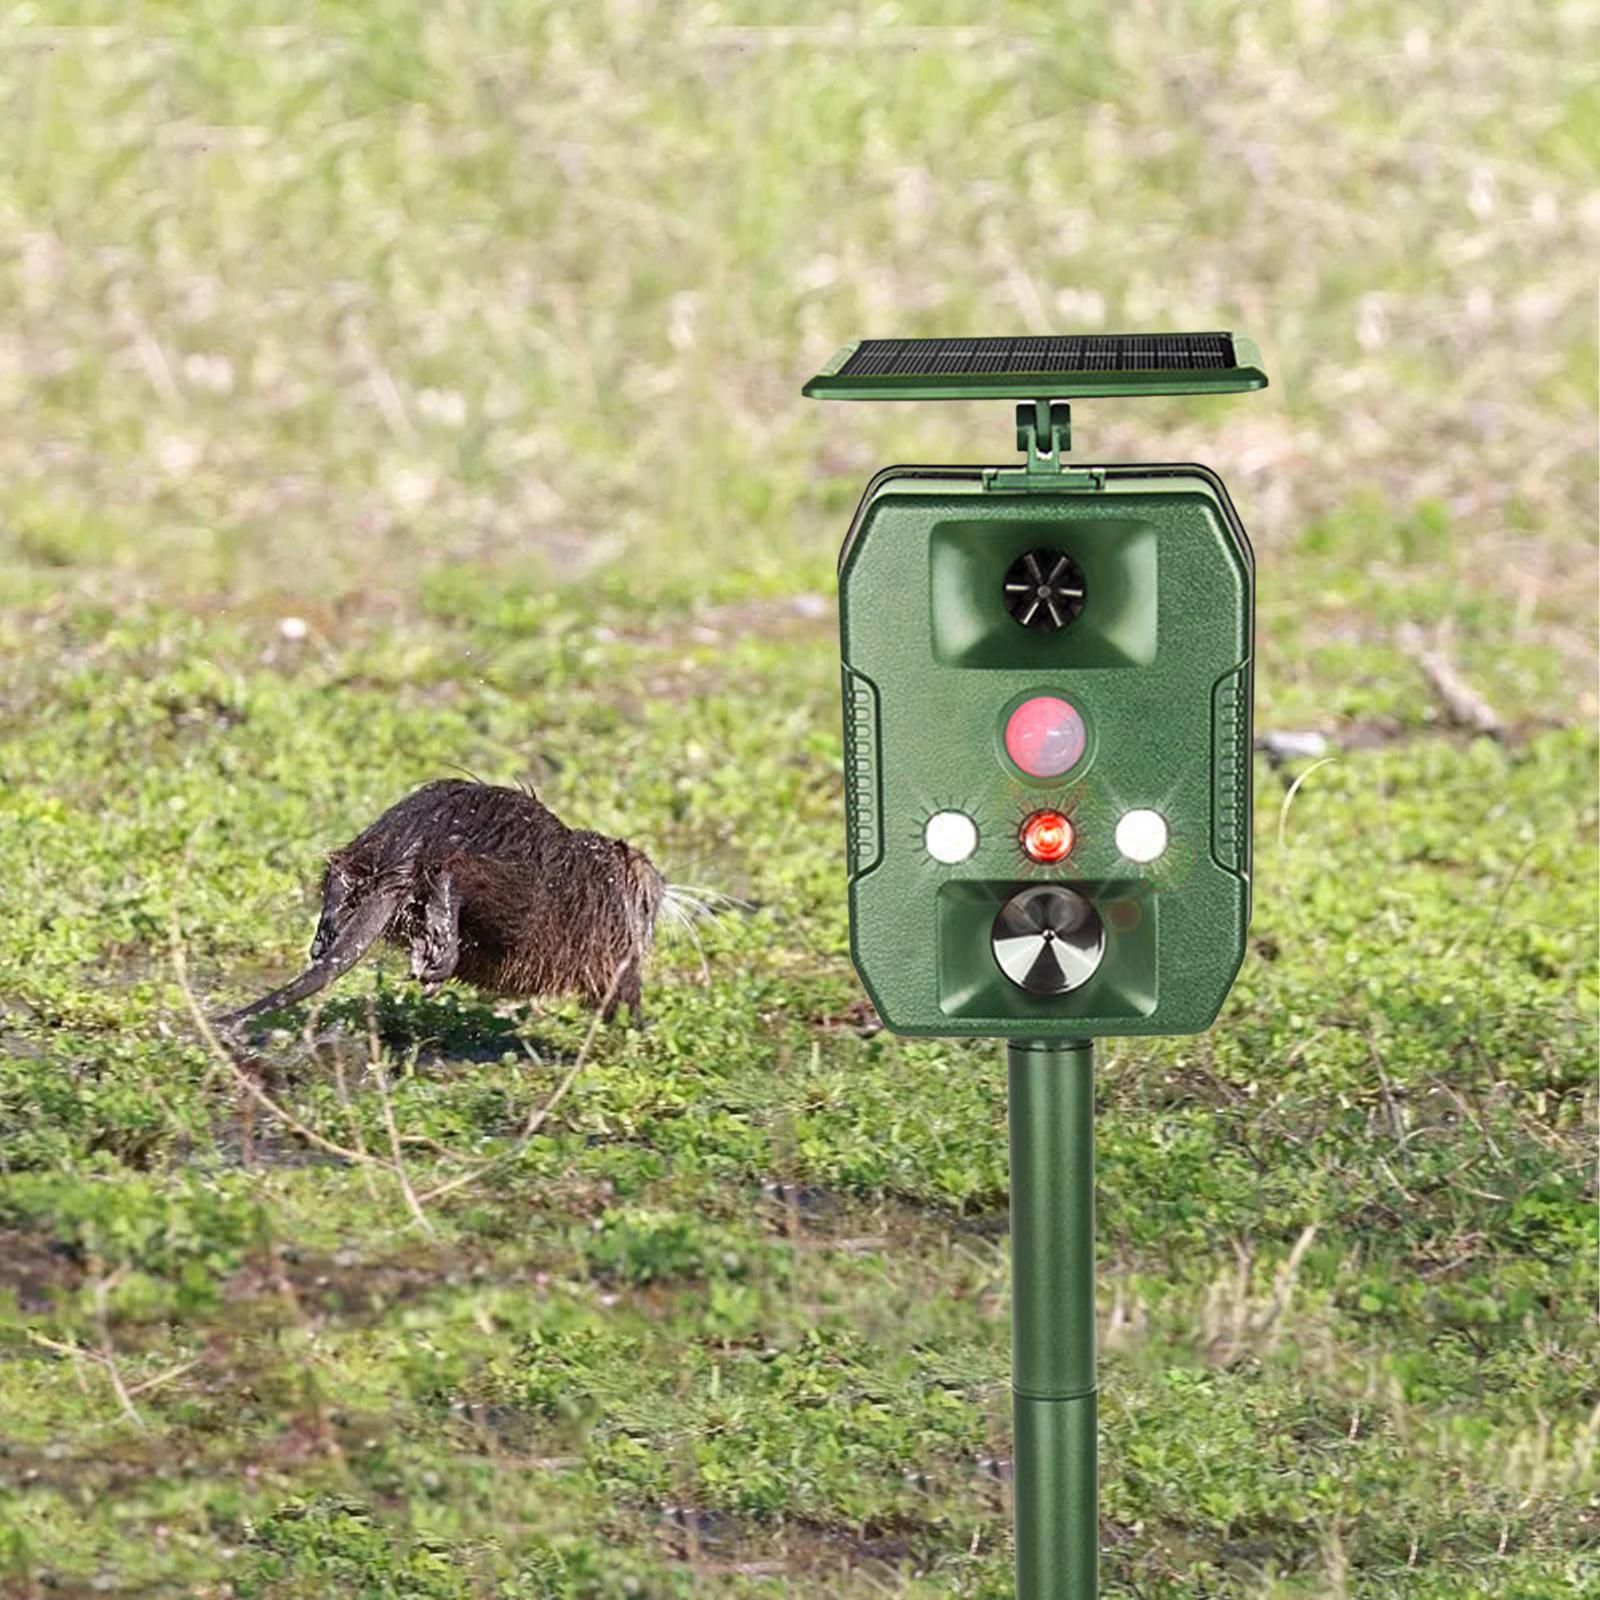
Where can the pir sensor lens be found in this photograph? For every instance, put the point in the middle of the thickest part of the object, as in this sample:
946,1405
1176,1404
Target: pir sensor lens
950,837
1045,736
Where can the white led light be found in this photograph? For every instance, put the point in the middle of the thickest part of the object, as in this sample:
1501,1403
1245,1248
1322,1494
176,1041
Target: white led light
1142,835
950,836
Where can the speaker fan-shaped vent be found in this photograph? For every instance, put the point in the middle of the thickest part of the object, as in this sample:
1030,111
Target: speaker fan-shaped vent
1044,589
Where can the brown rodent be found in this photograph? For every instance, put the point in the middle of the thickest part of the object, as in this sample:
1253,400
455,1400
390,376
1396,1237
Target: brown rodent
485,884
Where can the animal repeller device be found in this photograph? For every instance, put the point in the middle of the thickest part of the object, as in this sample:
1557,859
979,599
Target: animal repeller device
1047,710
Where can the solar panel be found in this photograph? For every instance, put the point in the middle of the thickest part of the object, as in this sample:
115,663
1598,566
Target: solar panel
1087,352
1041,367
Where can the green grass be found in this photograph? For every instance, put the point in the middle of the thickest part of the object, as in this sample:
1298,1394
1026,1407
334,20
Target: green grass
470,336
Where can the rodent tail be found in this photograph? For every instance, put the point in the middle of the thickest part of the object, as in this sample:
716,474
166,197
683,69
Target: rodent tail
364,927
315,978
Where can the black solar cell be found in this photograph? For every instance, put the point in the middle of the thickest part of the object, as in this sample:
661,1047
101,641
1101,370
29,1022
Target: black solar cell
1088,352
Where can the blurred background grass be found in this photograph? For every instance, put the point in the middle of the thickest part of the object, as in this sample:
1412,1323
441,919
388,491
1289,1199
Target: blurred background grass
318,304
389,385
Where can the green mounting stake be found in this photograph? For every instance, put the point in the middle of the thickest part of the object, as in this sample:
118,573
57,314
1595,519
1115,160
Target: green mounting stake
1053,1404
1047,681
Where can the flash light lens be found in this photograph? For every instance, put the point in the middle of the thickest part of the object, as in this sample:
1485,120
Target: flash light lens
1047,837
950,837
1142,835
1045,737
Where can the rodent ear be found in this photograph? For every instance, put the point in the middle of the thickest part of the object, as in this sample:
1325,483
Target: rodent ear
647,884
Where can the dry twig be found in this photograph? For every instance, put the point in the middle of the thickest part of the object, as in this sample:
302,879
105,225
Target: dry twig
105,1357
360,1156
1464,706
539,1115
381,1078
222,1054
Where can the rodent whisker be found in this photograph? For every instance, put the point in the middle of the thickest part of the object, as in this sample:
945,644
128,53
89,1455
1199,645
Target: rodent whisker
706,902
679,920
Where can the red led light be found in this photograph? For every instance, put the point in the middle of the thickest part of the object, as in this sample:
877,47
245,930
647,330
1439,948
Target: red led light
1047,837
1045,736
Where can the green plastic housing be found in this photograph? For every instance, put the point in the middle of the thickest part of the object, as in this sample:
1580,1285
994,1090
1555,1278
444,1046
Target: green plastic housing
1159,666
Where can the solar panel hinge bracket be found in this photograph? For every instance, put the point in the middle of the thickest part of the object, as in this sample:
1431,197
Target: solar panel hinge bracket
1044,435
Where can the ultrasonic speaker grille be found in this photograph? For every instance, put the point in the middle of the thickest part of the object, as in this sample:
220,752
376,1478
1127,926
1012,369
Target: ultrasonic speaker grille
1044,589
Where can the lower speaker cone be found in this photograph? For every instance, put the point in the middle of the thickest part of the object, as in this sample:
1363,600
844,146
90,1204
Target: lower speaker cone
1048,939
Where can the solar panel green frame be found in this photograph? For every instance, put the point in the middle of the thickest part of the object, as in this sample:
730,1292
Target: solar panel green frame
1065,367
